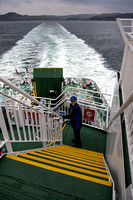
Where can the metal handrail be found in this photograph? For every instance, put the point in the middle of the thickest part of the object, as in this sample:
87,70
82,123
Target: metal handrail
122,108
58,99
26,95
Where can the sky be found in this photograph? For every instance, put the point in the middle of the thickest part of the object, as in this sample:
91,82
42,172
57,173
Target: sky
65,7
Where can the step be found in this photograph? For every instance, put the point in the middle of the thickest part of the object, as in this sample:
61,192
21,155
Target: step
65,161
78,154
61,165
91,174
88,160
55,169
72,162
71,158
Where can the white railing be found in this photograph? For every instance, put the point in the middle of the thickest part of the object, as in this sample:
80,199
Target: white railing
87,99
126,81
33,123
126,28
81,94
38,119
123,108
126,85
127,109
100,113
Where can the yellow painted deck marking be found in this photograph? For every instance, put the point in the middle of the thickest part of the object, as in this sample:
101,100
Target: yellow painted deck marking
92,163
48,67
92,159
68,162
62,129
84,177
65,166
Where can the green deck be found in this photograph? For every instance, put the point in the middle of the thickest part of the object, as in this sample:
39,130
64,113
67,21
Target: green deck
92,139
23,181
20,183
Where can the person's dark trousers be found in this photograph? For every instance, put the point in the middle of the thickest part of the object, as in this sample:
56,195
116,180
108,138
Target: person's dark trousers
77,137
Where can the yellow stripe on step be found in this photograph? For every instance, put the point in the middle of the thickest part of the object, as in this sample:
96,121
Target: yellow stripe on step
73,158
65,166
72,155
62,171
68,162
79,155
70,159
80,151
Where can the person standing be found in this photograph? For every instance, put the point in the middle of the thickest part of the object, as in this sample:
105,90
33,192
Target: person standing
75,120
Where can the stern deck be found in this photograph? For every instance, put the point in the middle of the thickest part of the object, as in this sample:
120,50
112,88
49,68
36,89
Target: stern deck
62,172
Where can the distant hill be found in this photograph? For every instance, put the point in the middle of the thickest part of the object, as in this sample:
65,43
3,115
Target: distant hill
11,16
112,17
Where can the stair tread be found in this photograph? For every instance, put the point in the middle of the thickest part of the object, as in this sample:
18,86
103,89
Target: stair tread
91,160
67,161
83,151
68,167
76,154
81,176
70,158
61,186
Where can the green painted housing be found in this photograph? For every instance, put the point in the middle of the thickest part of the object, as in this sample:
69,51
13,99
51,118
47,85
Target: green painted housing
48,81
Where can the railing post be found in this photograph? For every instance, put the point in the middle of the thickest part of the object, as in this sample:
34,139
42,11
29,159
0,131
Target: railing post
107,118
5,132
60,120
43,131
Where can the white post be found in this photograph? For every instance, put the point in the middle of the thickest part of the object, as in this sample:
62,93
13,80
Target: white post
5,132
61,131
43,132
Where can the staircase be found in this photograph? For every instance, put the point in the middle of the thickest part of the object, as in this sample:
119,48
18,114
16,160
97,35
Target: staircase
63,170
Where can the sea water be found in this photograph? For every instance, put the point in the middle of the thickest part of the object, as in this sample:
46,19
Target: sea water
55,44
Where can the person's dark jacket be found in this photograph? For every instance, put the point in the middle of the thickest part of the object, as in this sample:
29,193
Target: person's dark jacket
75,116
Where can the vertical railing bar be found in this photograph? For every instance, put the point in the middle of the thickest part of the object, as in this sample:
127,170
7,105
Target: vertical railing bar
5,132
49,121
52,129
16,120
46,127
103,119
27,116
32,124
43,128
37,134
60,126
40,124
23,124
8,117
56,130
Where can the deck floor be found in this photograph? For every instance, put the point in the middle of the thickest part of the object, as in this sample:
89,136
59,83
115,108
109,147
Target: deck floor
92,139
22,181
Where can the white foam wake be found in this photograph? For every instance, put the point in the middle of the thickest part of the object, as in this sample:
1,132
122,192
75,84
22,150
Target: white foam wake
51,45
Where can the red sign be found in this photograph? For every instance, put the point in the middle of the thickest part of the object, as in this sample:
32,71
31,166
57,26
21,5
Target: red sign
33,115
89,114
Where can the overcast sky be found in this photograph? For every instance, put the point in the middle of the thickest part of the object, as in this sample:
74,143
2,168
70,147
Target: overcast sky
65,7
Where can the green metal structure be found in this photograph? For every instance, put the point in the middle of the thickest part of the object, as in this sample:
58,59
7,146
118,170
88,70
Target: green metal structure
48,81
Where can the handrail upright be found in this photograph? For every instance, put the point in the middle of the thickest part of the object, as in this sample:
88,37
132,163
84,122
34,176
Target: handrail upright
27,118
